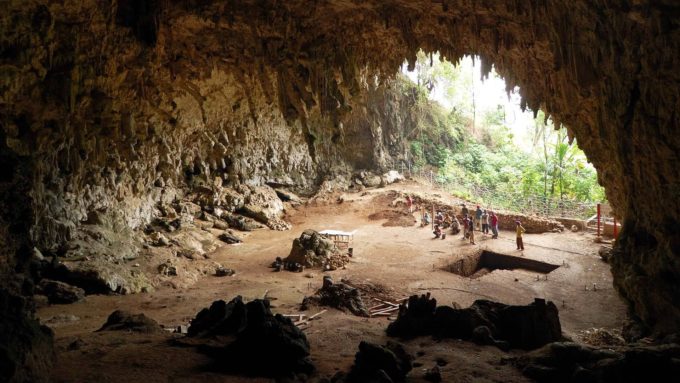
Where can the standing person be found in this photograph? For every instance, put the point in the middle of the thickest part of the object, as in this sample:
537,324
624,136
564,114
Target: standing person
472,231
409,203
485,222
466,223
520,230
464,211
426,218
494,225
478,217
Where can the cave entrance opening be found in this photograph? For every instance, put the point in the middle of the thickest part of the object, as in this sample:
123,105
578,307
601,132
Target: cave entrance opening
474,137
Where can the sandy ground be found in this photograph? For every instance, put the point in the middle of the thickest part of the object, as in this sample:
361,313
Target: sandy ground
406,259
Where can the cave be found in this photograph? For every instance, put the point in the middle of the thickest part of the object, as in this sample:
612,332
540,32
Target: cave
112,110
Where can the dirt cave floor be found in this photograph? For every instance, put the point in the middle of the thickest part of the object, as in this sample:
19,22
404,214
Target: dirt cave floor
405,260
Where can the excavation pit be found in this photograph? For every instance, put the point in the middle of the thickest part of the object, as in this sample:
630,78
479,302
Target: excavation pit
483,262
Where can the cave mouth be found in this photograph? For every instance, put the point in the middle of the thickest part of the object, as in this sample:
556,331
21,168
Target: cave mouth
483,262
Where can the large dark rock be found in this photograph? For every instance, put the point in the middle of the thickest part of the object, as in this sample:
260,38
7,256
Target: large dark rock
240,223
375,363
120,320
221,318
572,362
257,342
485,322
416,318
229,238
60,292
26,350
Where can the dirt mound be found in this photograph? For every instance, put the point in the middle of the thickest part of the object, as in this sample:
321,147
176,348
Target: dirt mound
372,290
394,218
485,322
337,295
124,321
311,249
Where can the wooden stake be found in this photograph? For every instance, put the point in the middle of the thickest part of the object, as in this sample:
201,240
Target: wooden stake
317,314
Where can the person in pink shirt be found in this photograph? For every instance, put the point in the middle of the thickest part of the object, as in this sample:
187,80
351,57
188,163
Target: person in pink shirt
493,220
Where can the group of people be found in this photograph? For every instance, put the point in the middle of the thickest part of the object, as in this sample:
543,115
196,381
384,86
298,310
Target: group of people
482,220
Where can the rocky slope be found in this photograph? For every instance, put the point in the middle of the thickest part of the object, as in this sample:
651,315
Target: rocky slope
111,107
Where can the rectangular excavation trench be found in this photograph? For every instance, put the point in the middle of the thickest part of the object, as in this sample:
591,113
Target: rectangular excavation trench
483,262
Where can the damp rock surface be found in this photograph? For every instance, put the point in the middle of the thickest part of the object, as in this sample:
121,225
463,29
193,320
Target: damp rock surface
255,342
485,322
60,292
378,363
567,362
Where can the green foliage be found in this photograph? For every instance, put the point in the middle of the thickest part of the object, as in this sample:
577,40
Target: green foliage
482,162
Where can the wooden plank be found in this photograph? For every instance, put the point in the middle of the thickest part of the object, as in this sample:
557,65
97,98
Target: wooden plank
375,307
389,310
317,315
386,302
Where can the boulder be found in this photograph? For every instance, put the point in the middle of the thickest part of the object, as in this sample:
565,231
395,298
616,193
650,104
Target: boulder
124,321
376,363
167,269
221,318
60,292
229,238
288,196
485,322
391,177
99,276
264,205
260,343
222,271
367,179
158,239
573,362
27,350
311,249
605,253
240,223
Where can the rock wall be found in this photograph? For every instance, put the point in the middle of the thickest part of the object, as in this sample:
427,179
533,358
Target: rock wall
113,105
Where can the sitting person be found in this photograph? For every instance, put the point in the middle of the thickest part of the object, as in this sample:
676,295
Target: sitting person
437,231
455,225
439,218
447,220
